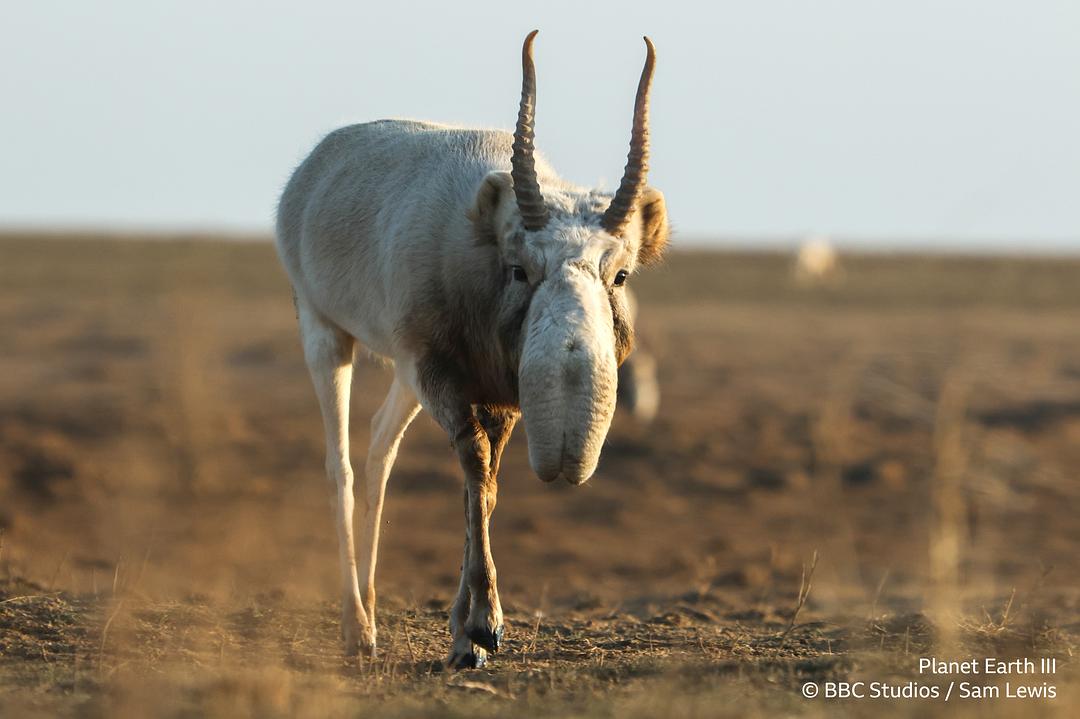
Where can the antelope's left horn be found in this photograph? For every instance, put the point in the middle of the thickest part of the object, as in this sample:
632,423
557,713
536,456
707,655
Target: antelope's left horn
617,216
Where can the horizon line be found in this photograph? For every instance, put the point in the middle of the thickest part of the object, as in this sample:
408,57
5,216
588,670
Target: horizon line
692,240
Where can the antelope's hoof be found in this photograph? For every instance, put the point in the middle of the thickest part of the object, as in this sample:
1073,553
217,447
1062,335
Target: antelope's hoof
473,659
487,638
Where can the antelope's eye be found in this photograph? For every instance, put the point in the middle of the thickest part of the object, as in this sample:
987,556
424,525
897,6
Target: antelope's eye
519,273
620,278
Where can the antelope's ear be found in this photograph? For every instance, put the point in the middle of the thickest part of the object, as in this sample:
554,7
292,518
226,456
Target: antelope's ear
654,226
489,208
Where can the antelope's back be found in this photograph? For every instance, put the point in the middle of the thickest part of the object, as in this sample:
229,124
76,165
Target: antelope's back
372,211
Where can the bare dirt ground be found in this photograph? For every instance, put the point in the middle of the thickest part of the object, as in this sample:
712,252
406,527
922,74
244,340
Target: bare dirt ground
167,545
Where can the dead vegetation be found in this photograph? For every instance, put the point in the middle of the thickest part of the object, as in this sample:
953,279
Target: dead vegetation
277,658
841,479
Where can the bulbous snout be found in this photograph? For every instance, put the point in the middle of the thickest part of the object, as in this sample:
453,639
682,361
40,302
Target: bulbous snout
568,376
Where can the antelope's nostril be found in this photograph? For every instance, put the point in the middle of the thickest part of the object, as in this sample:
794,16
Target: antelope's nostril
571,345
548,474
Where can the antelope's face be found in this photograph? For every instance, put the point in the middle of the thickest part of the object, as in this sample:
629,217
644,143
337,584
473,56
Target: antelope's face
576,332
565,260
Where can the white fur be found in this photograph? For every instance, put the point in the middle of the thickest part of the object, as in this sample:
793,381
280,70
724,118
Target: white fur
391,232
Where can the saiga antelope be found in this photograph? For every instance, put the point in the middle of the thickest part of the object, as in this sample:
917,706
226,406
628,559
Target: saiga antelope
494,294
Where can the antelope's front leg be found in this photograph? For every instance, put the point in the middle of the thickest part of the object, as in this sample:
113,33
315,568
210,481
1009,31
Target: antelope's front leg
463,654
484,625
476,616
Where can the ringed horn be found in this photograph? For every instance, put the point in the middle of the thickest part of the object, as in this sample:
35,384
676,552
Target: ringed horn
622,206
534,213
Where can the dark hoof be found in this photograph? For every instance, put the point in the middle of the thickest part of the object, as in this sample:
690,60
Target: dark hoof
490,640
469,660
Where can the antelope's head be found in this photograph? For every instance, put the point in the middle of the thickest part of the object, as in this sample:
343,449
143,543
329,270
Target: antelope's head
566,256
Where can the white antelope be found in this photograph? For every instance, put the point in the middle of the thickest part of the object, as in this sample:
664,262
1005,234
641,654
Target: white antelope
493,294
816,261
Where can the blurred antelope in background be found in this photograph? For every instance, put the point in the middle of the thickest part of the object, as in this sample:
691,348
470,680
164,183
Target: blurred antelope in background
639,388
817,261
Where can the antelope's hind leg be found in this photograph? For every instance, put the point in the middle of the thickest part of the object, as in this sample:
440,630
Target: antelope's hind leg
387,428
328,352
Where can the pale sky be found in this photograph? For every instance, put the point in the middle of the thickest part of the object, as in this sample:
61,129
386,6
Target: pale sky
908,121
